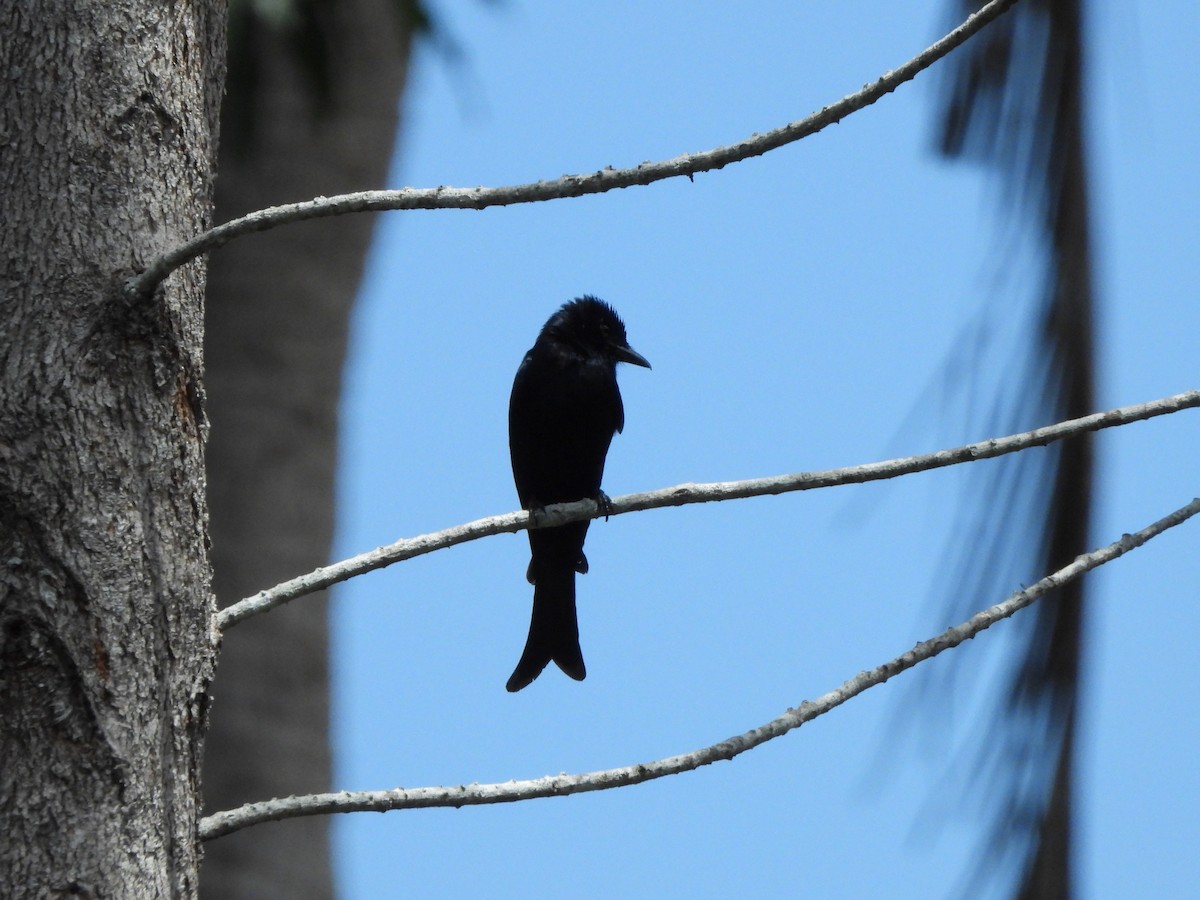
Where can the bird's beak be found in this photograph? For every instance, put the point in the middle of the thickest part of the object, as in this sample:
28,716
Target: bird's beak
625,353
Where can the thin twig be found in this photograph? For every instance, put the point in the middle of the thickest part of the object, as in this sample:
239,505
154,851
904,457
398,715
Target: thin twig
223,823
680,495
568,185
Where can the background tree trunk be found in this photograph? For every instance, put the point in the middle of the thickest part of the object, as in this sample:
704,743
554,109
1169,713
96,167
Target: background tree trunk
109,120
309,111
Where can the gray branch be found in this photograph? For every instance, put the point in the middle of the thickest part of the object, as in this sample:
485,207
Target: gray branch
607,179
223,823
682,494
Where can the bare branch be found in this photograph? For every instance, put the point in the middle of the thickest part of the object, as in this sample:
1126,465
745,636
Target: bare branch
569,185
223,823
683,494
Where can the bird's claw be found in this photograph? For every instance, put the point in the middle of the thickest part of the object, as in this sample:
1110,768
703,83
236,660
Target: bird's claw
537,513
605,504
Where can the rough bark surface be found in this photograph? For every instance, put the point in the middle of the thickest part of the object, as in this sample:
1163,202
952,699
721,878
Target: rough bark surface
277,320
107,141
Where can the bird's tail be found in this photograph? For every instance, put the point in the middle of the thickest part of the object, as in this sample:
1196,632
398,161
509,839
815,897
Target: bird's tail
553,629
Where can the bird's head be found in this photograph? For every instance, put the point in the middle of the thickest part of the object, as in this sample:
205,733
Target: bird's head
594,327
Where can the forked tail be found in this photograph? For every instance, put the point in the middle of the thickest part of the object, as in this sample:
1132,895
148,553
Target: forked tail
553,628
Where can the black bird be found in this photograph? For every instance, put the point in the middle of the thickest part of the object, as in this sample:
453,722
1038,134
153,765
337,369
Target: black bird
565,408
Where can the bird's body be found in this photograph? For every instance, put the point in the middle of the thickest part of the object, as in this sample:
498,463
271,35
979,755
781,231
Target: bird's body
563,413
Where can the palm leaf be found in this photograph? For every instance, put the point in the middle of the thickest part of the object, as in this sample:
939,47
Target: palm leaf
1014,100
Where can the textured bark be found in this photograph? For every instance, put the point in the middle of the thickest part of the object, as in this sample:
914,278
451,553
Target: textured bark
108,129
277,318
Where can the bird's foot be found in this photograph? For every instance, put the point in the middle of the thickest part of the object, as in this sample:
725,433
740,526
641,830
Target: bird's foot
537,513
604,502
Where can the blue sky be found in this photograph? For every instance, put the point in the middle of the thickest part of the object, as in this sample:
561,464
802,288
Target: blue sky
800,311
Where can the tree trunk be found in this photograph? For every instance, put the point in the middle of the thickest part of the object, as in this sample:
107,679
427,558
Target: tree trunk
277,319
108,127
